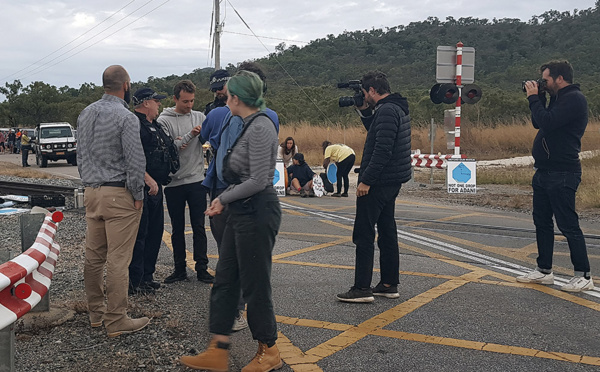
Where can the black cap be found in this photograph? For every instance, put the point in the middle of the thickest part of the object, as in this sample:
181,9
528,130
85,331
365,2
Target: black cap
143,94
218,79
298,156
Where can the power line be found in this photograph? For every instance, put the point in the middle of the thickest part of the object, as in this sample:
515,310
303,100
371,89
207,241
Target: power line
280,65
70,42
266,37
40,68
106,37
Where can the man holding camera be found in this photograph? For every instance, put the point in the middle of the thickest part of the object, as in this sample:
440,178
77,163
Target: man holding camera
558,171
385,166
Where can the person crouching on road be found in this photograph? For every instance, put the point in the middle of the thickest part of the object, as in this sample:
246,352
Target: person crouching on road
301,177
344,157
246,250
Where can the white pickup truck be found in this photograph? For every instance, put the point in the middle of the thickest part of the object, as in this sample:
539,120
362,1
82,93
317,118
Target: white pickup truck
54,141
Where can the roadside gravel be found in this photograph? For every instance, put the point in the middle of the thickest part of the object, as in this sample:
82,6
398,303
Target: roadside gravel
179,312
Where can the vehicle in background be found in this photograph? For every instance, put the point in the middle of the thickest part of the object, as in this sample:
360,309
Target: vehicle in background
54,141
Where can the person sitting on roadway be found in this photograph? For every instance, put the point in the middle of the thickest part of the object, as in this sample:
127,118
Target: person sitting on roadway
301,177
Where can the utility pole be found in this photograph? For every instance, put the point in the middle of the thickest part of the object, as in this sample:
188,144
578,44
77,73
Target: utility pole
217,40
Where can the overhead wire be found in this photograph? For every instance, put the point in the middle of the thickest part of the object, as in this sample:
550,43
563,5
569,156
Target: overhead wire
267,37
39,70
69,43
280,65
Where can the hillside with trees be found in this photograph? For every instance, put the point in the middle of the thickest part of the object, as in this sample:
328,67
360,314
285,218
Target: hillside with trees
302,81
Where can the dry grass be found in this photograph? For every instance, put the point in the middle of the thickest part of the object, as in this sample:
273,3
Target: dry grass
10,169
479,142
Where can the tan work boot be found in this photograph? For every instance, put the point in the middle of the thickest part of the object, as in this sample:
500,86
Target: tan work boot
265,360
127,325
215,358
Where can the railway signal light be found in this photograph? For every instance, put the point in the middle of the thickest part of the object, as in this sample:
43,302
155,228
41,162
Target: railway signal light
471,93
443,93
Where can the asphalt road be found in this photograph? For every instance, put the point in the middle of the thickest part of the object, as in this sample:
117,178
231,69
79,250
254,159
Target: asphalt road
460,308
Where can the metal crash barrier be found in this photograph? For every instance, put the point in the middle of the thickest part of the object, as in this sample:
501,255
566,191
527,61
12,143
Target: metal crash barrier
25,279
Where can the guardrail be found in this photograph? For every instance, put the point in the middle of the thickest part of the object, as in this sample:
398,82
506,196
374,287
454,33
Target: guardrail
25,279
433,161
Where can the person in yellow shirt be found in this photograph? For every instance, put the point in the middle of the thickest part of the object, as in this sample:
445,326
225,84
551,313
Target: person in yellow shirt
344,158
25,147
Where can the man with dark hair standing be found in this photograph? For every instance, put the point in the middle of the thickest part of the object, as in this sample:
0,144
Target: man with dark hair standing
111,164
218,80
184,124
556,150
158,165
385,166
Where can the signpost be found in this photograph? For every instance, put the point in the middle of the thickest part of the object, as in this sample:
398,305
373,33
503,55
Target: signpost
461,176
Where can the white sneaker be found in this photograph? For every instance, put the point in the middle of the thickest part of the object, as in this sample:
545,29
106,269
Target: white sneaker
578,284
536,277
240,322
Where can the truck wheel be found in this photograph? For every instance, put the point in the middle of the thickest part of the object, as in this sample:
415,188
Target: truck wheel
73,160
43,161
37,159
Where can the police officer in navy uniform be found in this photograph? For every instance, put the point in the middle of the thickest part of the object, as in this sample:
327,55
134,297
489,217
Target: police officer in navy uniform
217,82
156,145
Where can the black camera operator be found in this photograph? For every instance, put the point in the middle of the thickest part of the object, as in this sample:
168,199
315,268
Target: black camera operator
385,166
558,172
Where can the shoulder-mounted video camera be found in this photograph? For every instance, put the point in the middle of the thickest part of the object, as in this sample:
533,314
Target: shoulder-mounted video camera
358,99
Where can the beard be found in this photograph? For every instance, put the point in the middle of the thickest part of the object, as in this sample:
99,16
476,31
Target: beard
127,97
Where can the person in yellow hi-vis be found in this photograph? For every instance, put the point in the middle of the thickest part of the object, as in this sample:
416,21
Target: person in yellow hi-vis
344,158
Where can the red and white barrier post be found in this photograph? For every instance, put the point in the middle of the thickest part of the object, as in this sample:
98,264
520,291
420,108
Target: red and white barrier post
459,55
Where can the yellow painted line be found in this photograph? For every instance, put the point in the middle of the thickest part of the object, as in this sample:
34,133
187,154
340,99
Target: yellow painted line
294,212
189,257
294,357
305,205
512,280
312,248
313,323
484,346
312,234
337,224
419,204
518,254
355,334
449,218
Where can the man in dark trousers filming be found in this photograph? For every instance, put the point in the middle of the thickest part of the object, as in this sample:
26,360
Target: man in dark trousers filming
556,150
385,166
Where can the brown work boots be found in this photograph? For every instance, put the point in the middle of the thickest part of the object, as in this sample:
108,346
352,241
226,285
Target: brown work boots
265,360
216,358
126,325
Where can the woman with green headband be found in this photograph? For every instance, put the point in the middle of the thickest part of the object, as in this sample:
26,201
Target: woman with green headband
254,218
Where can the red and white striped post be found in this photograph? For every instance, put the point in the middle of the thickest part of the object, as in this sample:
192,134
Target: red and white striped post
459,52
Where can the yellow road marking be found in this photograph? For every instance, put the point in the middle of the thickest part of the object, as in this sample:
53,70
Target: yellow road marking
484,346
293,212
351,336
337,224
312,234
449,218
312,248
294,357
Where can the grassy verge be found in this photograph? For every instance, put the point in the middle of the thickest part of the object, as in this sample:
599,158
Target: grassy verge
10,169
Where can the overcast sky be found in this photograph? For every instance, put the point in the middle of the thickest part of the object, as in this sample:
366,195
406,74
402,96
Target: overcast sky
67,42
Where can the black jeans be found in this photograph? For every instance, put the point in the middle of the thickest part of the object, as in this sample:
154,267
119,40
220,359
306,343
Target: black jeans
554,194
377,207
148,240
24,155
343,168
245,264
194,194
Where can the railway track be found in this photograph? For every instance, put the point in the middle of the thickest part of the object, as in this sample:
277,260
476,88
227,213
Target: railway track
19,188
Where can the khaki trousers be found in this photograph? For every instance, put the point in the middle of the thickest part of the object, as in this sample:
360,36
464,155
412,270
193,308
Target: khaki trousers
112,226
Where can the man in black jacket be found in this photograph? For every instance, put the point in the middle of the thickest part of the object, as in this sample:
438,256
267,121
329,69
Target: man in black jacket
149,237
385,166
556,150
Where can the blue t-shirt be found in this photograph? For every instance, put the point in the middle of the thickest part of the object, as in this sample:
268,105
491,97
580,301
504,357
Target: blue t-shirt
222,136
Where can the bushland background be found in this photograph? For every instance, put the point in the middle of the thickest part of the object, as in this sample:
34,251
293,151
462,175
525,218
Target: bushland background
302,86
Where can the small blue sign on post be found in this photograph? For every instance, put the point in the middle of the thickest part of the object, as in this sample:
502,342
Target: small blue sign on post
461,176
